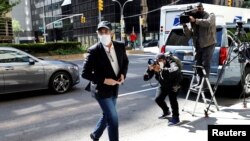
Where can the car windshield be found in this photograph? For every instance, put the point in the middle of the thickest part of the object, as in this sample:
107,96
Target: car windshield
177,38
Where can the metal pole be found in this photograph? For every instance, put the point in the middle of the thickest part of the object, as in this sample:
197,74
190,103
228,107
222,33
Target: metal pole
122,25
140,23
64,18
100,16
44,24
122,17
54,33
122,20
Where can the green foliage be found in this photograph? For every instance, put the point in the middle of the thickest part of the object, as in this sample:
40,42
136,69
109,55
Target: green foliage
233,30
128,48
5,6
16,26
246,4
51,48
76,50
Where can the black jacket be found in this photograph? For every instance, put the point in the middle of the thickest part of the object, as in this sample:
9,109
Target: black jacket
166,77
97,67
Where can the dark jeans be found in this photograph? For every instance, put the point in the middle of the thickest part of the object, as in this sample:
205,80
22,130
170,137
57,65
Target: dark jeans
204,58
109,119
161,95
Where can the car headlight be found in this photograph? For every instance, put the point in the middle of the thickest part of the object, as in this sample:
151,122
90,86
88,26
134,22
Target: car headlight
74,67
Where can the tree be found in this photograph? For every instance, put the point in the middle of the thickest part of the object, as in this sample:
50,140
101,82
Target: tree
6,6
16,27
246,4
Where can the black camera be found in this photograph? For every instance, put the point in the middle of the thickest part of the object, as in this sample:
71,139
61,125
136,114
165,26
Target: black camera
152,62
184,17
239,24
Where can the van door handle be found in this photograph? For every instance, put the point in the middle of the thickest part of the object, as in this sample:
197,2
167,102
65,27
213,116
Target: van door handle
9,68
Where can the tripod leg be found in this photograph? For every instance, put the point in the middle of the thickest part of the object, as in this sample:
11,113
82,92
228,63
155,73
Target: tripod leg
244,101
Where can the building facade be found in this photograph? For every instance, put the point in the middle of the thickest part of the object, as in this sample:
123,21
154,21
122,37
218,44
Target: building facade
235,3
86,32
52,11
67,33
24,19
72,29
6,33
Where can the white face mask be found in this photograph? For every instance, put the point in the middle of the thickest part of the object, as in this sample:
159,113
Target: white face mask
161,65
105,39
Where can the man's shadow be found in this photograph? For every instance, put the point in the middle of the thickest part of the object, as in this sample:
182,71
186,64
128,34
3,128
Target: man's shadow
202,123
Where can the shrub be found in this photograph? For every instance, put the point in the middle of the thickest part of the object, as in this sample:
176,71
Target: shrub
48,47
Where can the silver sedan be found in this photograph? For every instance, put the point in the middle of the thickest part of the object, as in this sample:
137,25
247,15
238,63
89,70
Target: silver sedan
20,71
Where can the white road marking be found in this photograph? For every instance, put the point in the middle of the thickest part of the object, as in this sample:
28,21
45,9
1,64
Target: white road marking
141,55
136,92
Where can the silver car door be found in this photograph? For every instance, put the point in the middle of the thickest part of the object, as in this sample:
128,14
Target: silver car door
20,74
1,80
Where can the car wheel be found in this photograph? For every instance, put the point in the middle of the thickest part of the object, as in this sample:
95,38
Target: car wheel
60,82
246,84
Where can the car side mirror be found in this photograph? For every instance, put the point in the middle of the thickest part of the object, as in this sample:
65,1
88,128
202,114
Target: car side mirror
31,61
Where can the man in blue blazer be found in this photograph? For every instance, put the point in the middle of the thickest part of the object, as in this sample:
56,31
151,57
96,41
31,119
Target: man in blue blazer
106,68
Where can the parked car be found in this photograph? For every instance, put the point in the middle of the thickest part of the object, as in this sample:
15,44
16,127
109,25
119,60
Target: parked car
151,46
183,48
20,71
150,43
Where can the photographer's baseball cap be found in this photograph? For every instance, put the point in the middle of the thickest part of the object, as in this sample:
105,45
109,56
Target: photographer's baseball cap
104,24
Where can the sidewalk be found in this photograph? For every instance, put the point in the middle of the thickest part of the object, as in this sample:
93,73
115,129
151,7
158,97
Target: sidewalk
195,130
73,57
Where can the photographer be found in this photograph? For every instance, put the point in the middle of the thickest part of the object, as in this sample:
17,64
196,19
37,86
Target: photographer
203,33
167,71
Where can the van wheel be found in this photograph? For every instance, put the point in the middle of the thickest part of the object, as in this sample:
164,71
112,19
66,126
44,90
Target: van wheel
60,82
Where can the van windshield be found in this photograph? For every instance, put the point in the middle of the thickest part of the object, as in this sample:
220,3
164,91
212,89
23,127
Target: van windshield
177,38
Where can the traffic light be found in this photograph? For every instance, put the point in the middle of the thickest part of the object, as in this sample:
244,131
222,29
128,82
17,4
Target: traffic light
100,5
229,3
83,19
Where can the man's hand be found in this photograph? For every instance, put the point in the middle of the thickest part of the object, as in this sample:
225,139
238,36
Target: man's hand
192,19
111,82
121,80
157,68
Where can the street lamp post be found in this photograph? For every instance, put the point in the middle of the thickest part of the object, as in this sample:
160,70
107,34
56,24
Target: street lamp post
122,17
44,24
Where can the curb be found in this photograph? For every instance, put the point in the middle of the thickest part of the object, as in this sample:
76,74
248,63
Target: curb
73,57
70,57
134,52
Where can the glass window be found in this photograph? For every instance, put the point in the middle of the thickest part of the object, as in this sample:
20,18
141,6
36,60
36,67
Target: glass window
177,38
7,56
219,37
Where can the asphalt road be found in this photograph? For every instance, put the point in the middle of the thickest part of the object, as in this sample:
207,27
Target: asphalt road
42,116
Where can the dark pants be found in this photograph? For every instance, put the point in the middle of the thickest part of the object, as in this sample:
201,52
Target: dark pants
161,95
109,119
204,58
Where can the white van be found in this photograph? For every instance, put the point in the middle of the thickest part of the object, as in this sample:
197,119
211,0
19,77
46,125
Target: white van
170,16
